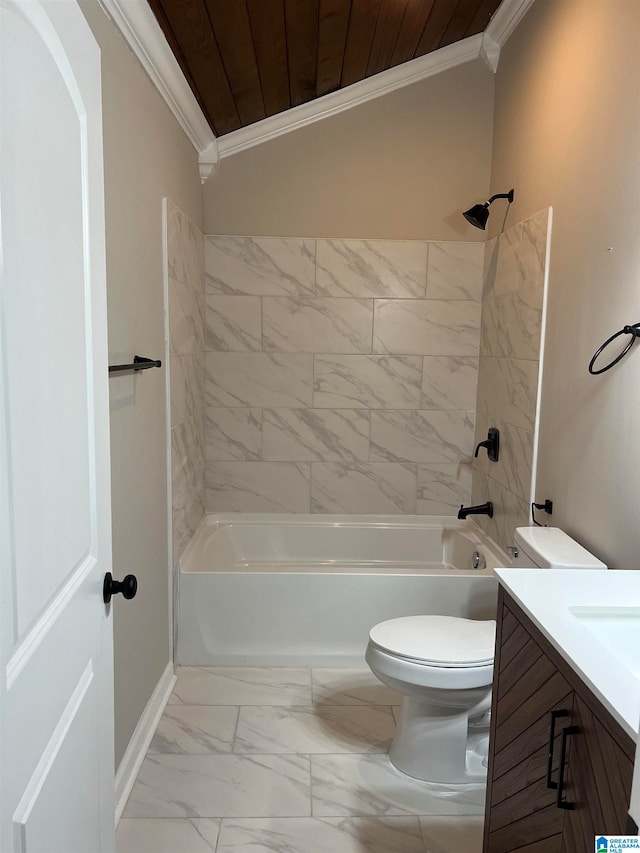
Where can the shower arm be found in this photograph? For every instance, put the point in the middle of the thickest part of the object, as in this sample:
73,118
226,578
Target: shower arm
508,195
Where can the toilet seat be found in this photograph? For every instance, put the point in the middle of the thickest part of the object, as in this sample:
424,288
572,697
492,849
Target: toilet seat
442,642
406,671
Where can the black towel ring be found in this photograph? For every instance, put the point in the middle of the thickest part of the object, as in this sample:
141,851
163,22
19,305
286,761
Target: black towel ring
633,330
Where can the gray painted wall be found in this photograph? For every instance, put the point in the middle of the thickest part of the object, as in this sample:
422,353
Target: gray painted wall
147,156
567,135
400,167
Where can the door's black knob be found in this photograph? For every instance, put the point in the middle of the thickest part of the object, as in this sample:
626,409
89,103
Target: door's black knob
128,586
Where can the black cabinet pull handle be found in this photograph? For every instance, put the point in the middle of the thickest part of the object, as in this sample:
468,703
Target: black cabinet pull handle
568,730
128,586
552,733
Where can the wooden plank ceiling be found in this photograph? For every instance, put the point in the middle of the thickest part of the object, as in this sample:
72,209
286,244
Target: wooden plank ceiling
246,60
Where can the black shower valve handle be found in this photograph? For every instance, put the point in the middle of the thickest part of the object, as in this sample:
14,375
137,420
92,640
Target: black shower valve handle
492,444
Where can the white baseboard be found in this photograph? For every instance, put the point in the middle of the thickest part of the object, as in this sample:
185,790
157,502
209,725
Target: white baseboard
141,738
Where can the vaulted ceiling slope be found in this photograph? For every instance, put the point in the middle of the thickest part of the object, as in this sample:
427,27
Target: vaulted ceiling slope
246,60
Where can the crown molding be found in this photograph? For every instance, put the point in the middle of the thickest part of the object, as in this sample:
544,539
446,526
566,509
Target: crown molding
490,52
500,27
351,96
138,25
207,160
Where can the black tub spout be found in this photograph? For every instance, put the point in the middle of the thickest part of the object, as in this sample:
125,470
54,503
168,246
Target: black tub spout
481,509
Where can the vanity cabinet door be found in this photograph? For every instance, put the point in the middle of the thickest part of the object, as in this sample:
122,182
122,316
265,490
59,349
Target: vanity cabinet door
597,783
538,704
521,808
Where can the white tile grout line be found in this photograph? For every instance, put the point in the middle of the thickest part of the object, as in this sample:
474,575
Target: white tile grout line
422,835
235,730
315,266
426,274
310,787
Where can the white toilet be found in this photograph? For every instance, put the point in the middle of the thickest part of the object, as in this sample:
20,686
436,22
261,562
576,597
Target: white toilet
443,666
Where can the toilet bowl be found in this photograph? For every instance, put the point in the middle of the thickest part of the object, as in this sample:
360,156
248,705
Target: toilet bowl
443,667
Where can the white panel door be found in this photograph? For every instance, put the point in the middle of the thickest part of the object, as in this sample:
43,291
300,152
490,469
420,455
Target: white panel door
56,679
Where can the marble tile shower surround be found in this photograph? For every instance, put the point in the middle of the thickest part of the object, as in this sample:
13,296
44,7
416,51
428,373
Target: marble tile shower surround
186,309
340,374
512,305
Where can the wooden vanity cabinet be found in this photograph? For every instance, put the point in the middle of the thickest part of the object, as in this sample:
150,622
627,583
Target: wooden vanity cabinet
597,779
541,708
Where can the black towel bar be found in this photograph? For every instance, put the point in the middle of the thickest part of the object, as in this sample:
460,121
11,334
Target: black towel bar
139,363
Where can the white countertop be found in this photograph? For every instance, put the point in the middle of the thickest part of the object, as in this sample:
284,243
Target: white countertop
546,596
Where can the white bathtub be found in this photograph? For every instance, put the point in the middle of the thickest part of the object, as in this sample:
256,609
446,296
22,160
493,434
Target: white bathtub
287,590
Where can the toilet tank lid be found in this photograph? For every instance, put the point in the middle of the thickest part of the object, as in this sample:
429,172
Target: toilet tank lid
552,548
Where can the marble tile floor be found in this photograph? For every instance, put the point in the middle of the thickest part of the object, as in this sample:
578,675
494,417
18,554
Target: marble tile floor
287,760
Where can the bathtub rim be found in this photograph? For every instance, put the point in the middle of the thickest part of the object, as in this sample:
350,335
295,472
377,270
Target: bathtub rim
427,522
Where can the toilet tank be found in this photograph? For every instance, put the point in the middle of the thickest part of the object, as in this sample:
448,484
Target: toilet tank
551,548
